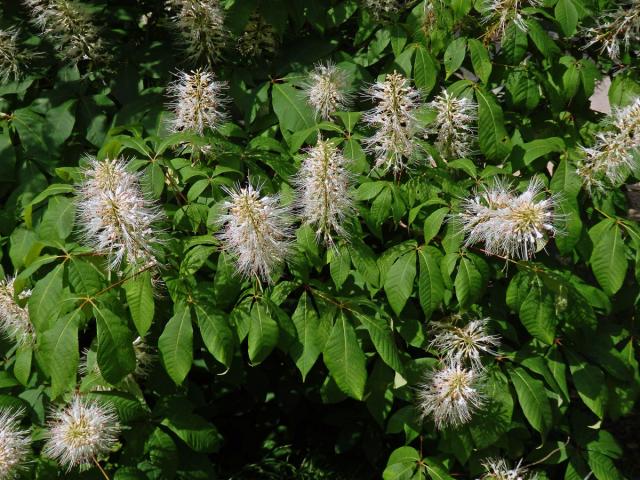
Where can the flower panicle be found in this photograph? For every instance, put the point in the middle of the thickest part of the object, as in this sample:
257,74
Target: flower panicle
395,123
323,184
454,125
256,231
498,469
13,59
500,14
614,153
115,217
14,318
327,90
69,27
615,30
259,38
451,394
80,432
510,225
200,24
14,444
198,101
464,344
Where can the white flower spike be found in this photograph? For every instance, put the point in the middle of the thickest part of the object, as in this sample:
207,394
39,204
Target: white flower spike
327,90
69,27
115,217
454,125
256,230
616,30
510,225
323,185
498,469
451,395
14,319
198,101
13,59
383,8
464,344
500,14
393,118
201,27
259,39
81,432
615,153
14,444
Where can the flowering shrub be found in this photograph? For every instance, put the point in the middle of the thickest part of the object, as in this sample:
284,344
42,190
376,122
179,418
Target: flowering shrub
319,239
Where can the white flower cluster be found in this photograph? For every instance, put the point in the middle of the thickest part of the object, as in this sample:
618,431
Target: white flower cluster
326,90
394,119
616,30
198,101
116,218
454,392
256,231
14,444
500,14
69,27
13,59
383,8
201,27
454,125
498,469
464,344
510,225
451,394
323,190
615,152
259,38
80,432
14,319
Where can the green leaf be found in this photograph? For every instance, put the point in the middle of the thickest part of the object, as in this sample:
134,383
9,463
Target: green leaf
44,303
480,60
433,223
541,39
609,261
339,265
116,358
345,359
454,55
590,383
398,284
58,348
22,365
425,70
382,338
307,348
139,291
492,135
468,283
216,333
533,400
402,464
538,148
567,16
176,344
430,283
292,111
263,333
200,435
538,314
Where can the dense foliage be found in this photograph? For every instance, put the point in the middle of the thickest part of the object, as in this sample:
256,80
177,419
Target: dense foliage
180,281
